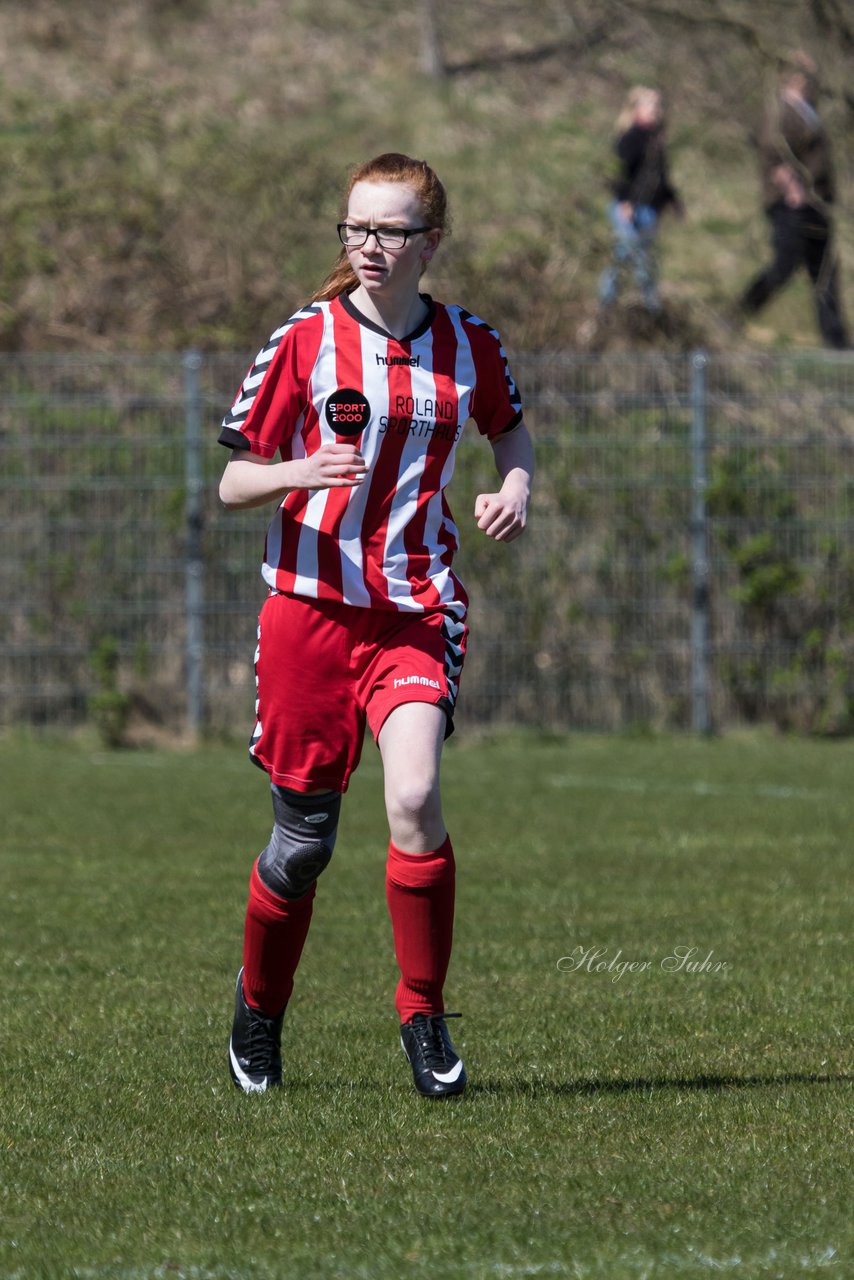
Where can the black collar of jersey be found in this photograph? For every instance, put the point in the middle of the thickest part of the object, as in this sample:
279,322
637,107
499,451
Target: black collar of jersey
347,304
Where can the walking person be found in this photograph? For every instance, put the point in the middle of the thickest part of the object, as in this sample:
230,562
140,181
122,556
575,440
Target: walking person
363,394
641,192
798,191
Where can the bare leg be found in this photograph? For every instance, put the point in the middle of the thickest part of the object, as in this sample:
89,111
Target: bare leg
410,744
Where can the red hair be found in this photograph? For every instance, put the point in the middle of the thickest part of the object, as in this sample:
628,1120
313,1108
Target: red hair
389,167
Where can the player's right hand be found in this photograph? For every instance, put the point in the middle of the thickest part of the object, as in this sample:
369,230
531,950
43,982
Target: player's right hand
334,466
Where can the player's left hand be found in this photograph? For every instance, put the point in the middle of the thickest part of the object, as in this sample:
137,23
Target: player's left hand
500,516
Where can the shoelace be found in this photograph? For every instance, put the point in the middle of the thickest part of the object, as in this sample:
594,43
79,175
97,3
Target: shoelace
430,1033
262,1049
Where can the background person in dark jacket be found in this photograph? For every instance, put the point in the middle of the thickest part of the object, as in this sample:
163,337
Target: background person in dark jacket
798,192
641,191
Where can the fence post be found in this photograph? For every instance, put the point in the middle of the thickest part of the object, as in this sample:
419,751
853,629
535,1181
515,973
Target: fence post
700,713
194,564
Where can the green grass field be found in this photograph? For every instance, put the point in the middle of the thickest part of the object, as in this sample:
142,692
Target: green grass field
636,1123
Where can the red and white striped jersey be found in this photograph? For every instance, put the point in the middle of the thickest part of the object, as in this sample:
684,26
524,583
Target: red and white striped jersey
330,374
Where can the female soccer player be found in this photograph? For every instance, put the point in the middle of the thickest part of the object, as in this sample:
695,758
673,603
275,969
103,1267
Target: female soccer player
363,393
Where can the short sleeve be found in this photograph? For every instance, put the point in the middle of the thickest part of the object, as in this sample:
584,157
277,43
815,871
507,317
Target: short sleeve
270,405
496,404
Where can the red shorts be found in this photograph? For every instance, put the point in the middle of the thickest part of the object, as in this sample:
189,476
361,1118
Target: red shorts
325,669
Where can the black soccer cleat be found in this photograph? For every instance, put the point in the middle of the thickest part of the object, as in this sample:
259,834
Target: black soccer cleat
254,1053
437,1068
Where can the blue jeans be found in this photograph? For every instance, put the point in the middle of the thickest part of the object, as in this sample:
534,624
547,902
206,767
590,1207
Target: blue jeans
634,247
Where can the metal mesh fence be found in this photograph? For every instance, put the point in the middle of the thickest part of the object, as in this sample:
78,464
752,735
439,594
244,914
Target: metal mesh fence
690,560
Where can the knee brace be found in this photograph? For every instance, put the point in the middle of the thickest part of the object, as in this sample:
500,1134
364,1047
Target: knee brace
302,841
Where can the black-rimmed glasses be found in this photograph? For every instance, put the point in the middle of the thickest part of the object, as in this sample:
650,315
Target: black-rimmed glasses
387,237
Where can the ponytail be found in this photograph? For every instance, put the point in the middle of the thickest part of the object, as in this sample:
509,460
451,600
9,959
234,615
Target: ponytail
341,279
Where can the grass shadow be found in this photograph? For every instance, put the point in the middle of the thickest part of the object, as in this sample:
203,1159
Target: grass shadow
709,1083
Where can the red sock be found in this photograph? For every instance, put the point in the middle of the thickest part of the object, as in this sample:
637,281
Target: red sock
276,930
420,895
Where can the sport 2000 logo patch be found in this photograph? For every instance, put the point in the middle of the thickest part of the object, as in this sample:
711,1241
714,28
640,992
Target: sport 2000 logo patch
347,412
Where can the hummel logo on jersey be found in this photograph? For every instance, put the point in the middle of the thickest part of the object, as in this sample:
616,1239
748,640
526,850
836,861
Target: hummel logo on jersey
414,362
400,681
